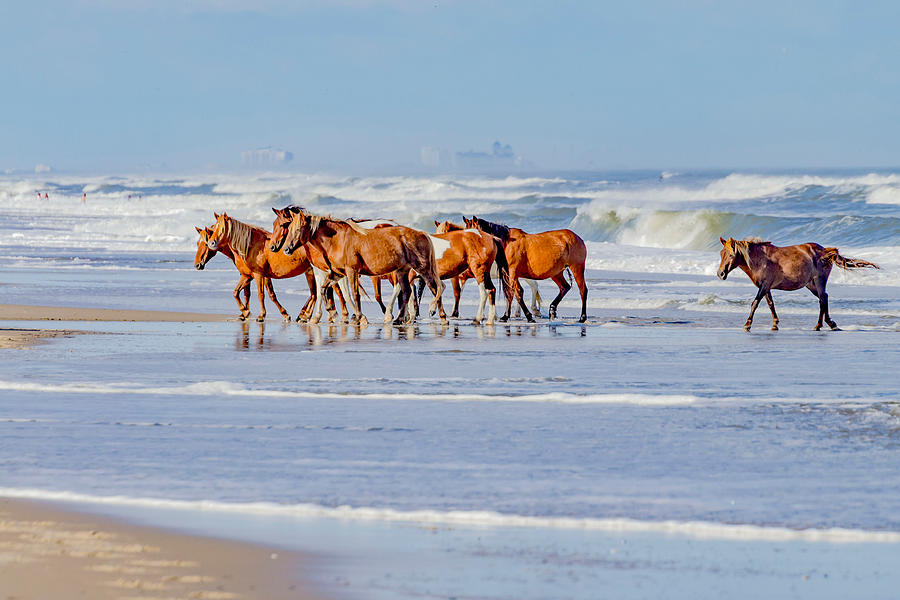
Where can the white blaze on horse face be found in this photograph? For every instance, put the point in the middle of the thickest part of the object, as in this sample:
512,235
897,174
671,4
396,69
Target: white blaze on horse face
440,246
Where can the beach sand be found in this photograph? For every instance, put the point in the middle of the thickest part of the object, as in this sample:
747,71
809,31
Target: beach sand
25,312
47,552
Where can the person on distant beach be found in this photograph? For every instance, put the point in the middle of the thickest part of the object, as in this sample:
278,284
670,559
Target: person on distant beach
84,197
46,196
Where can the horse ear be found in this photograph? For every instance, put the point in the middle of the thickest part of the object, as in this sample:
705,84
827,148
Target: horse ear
216,215
276,211
224,214
721,239
437,223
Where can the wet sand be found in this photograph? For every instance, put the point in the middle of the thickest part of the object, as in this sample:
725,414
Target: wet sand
48,552
26,312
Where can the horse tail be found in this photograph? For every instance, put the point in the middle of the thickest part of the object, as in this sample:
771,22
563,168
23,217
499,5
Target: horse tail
830,255
502,267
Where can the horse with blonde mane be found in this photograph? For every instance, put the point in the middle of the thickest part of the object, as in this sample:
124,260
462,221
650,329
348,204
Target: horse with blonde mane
543,255
204,255
460,281
771,267
344,249
247,246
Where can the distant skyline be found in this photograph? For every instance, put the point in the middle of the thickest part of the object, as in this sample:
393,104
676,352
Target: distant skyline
106,86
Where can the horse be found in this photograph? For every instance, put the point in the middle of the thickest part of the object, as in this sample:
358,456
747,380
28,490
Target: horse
543,255
203,256
470,251
790,268
460,281
248,248
343,248
279,232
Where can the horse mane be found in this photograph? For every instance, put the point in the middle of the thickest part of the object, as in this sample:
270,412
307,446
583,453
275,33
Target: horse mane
743,247
315,222
495,229
240,235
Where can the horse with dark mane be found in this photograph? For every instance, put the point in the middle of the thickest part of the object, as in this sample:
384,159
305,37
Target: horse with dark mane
543,255
247,246
771,267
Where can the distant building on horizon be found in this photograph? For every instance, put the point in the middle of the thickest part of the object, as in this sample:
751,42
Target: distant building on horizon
500,157
266,157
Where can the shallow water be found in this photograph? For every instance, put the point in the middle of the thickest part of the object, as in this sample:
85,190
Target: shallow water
656,450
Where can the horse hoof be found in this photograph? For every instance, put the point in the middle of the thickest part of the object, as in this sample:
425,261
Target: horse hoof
476,321
746,328
504,319
454,314
582,319
363,321
836,328
314,321
260,319
774,327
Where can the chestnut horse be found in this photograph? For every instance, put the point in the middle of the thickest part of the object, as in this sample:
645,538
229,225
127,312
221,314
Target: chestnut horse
343,248
543,255
203,256
247,246
460,281
789,268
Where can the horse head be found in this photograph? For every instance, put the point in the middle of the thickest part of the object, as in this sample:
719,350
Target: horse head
279,228
298,232
731,257
219,231
445,227
204,253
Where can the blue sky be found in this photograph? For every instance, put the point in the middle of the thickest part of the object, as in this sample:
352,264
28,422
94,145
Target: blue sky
102,85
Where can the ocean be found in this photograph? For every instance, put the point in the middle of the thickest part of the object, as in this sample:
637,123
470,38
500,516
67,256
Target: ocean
656,451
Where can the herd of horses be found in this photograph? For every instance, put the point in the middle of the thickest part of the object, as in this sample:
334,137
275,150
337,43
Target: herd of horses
334,253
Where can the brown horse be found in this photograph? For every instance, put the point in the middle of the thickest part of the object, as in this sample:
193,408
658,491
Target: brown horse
203,256
540,256
248,247
471,251
344,249
460,281
771,267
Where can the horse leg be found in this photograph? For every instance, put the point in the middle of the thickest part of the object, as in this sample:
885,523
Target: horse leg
437,288
243,286
482,300
772,308
376,284
457,291
271,289
343,299
536,299
818,290
760,294
310,302
564,286
414,279
319,301
260,288
395,294
404,313
350,287
492,298
578,274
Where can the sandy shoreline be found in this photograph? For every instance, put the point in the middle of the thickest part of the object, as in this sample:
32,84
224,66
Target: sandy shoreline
48,552
27,312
